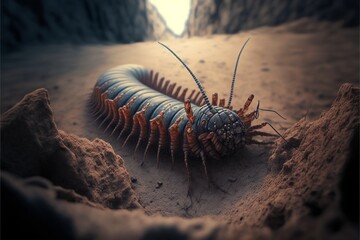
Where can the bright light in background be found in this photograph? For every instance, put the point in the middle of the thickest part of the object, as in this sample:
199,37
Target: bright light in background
174,12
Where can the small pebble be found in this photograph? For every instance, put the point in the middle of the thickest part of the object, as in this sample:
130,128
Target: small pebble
159,184
133,179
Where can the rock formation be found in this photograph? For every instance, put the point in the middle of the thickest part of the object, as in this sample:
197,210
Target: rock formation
313,186
157,28
311,191
84,21
231,16
31,145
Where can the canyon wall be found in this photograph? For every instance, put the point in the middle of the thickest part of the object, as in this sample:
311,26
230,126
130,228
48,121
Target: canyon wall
231,16
31,22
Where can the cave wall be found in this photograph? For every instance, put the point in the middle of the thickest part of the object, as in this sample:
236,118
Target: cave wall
231,16
28,22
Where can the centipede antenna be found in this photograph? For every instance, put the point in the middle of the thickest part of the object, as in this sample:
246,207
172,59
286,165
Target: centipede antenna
193,76
233,80
269,110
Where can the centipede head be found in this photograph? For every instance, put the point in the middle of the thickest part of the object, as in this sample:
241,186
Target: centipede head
228,128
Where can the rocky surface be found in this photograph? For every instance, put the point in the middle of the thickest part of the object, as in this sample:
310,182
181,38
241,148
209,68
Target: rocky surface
311,191
86,21
231,16
33,146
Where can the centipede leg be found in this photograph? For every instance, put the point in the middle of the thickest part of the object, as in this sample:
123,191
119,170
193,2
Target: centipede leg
125,121
142,125
93,99
155,81
182,96
174,138
97,98
222,102
252,141
214,99
258,133
191,95
108,110
170,89
160,85
135,128
162,134
208,145
164,88
120,121
200,101
127,116
114,111
176,93
259,126
203,160
138,123
186,161
152,137
195,99
243,110
101,112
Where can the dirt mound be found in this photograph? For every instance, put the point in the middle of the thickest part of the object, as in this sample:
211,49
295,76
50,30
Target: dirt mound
313,176
33,146
311,191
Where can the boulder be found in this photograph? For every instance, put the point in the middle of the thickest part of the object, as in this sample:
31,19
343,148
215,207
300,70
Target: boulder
33,146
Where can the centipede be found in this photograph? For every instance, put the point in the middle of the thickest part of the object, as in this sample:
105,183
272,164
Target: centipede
130,101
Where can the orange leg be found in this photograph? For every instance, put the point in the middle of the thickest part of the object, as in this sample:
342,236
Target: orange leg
243,110
152,137
222,102
177,91
182,96
195,99
174,138
214,99
127,116
114,112
101,111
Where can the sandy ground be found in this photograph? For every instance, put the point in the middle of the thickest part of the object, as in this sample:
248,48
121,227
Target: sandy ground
295,69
